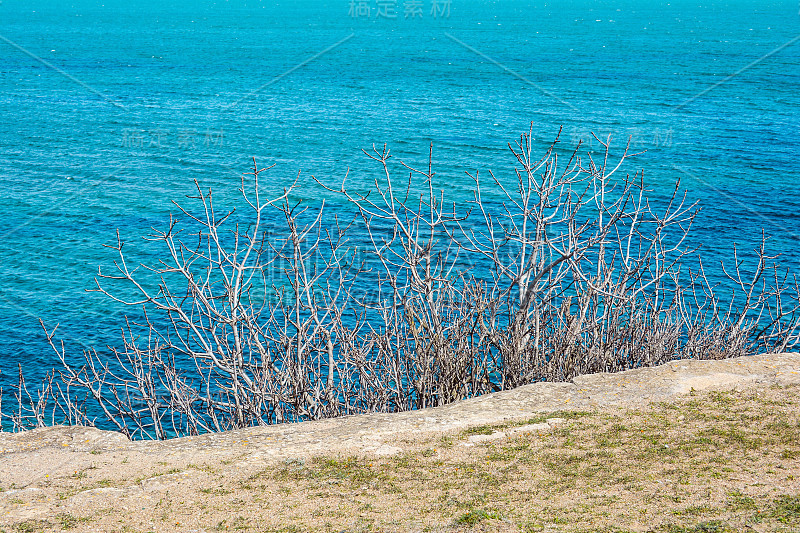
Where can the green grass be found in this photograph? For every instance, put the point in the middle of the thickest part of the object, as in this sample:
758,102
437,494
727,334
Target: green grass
785,509
475,516
714,526
712,464
67,521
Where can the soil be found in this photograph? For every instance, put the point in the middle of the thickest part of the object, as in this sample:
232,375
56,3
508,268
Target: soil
687,446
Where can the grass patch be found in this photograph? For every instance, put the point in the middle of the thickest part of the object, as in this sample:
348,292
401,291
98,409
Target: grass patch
785,509
67,521
688,467
151,476
216,491
704,527
475,516
488,429
480,430
31,526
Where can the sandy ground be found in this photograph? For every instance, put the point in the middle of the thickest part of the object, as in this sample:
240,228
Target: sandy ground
705,446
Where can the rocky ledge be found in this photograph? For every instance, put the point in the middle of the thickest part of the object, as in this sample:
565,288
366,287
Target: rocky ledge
32,460
29,455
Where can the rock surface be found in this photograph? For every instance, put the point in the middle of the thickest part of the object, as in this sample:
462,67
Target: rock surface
30,461
369,433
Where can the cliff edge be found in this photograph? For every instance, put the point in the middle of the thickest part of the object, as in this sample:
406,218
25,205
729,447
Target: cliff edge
80,472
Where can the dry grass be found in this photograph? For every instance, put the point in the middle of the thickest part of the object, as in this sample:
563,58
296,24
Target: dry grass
718,462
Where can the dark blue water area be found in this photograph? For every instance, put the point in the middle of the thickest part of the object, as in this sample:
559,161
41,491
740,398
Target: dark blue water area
110,109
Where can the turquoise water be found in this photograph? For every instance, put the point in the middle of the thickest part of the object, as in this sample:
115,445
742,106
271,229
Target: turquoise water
110,109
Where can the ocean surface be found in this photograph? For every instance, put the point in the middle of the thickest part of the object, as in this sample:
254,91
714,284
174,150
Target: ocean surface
110,109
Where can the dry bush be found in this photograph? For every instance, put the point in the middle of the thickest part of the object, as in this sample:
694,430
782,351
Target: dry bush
287,312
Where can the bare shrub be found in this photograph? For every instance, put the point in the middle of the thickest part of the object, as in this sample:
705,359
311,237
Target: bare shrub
287,312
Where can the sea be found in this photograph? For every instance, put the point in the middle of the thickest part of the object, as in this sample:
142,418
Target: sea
111,109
